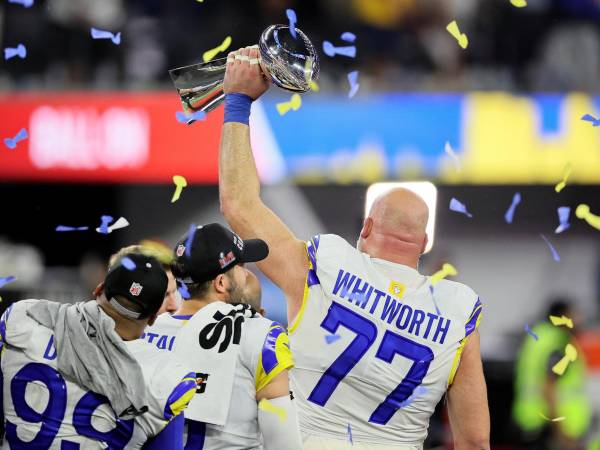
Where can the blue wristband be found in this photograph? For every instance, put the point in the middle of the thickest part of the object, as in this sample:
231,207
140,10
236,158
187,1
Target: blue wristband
237,108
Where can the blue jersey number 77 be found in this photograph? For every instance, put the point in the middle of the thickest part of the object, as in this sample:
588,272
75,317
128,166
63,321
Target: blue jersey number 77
391,345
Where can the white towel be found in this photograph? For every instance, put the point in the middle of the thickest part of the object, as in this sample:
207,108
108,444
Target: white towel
209,342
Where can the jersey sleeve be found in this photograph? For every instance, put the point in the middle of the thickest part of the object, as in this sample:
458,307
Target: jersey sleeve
274,357
16,327
324,251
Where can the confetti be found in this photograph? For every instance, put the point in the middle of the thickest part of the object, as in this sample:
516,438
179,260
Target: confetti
189,240
437,310
103,34
128,263
210,54
4,281
120,223
508,217
560,186
555,254
11,143
62,228
589,118
530,332
563,218
557,419
330,50
295,103
180,183
269,407
348,37
419,390
459,207
24,3
353,80
103,228
184,118
462,39
519,3
308,75
448,270
11,52
583,212
350,434
562,320
291,15
330,339
454,156
183,291
570,356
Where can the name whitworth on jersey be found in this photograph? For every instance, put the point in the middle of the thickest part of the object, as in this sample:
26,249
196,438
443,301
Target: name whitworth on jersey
412,320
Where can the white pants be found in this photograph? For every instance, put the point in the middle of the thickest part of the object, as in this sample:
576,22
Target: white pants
321,443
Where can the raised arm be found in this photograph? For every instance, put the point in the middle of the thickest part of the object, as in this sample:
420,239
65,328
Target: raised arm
467,401
239,185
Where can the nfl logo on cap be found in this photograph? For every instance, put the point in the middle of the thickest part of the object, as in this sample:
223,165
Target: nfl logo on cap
180,250
135,289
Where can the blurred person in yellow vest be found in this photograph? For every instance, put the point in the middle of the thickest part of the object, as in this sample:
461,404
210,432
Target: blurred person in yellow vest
552,411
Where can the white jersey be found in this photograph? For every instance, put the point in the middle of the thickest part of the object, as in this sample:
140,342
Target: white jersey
44,411
264,353
373,354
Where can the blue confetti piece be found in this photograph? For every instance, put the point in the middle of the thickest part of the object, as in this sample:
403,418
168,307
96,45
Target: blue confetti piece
24,3
128,263
190,240
508,217
291,15
63,228
589,118
348,37
184,118
105,220
330,50
419,390
555,254
563,218
4,281
20,51
331,338
353,80
530,332
350,434
183,290
459,207
103,34
11,143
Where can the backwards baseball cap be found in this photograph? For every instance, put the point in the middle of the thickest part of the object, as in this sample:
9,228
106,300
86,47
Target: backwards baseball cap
141,280
211,250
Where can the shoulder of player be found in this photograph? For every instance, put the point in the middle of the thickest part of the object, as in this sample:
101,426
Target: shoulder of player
15,320
326,244
462,296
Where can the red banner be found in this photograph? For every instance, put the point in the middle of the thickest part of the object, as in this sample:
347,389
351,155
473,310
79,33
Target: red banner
106,137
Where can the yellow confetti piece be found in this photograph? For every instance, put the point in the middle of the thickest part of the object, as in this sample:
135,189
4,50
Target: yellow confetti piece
560,186
519,3
563,320
269,407
210,54
583,212
308,75
462,39
180,183
556,419
447,270
294,103
570,356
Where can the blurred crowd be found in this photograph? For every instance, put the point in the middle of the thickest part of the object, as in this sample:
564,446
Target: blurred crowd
549,45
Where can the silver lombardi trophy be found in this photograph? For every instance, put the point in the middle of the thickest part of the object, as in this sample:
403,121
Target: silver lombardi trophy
291,62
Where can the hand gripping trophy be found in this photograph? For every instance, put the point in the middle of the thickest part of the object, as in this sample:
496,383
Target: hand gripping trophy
290,62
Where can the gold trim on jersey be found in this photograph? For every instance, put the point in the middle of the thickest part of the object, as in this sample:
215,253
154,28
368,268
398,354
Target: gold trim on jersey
462,347
302,309
285,361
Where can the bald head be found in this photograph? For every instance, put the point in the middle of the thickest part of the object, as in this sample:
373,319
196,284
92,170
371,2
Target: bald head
395,227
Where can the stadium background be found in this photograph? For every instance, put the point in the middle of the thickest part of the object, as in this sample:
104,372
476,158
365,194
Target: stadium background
104,140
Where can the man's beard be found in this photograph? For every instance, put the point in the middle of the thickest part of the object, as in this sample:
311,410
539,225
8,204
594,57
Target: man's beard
236,294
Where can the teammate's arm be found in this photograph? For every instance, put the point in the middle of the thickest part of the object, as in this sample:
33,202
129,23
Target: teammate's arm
467,401
239,189
278,422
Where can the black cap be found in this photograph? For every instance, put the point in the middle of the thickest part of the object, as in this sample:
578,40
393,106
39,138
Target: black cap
211,250
139,278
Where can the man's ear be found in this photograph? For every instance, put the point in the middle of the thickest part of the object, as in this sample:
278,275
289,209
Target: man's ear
99,290
220,283
367,227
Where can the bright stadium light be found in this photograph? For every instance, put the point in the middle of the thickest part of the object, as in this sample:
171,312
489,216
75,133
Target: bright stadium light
425,189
